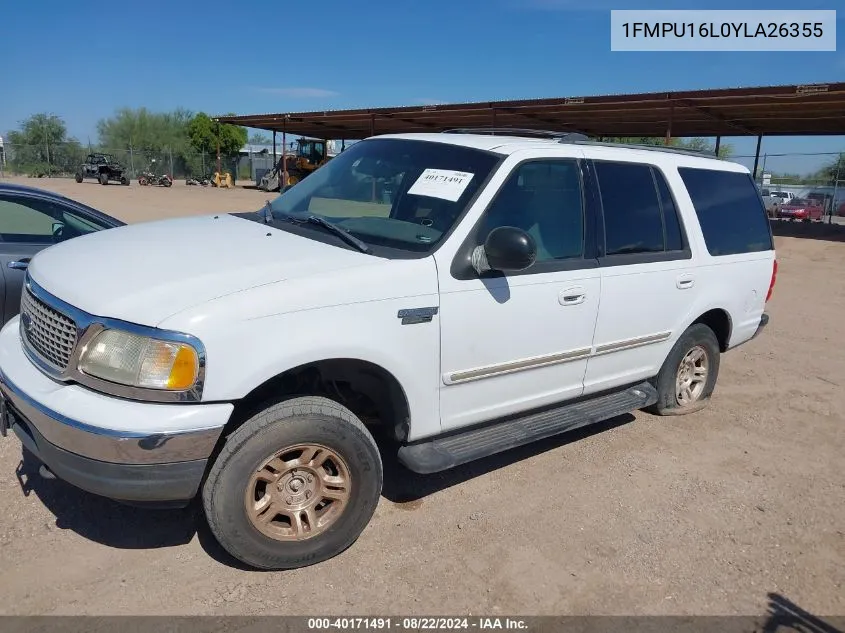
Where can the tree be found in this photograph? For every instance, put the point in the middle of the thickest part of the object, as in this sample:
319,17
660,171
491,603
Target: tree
697,144
41,146
144,130
205,133
139,136
834,170
260,139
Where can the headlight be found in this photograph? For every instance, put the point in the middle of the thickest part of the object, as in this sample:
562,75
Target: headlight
140,361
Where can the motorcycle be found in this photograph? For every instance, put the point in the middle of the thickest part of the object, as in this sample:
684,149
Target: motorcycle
149,177
204,181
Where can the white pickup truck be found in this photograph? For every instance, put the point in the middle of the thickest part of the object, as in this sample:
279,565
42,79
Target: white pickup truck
460,294
774,200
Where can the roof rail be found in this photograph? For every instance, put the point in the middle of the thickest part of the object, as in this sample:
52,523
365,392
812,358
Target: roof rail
654,148
563,137
578,138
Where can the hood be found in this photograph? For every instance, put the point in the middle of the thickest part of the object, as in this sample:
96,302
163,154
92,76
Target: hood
145,272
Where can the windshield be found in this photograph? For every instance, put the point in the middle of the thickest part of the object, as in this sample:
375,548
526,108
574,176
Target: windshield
394,193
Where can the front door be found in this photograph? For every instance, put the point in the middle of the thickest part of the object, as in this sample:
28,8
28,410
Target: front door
29,224
513,342
23,232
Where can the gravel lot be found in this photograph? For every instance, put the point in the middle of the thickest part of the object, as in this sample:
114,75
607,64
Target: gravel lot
701,514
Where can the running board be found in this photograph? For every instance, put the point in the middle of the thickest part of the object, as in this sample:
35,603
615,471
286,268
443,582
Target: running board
444,452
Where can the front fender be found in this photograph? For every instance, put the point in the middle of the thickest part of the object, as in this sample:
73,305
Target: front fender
253,352
253,336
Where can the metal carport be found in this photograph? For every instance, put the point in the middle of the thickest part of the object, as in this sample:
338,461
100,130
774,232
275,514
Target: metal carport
794,110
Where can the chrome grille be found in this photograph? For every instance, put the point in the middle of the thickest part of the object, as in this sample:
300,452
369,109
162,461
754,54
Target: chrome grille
49,333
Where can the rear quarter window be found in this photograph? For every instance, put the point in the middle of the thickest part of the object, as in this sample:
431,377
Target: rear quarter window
729,209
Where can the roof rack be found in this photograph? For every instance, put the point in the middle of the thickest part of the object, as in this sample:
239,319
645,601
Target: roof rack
654,148
562,137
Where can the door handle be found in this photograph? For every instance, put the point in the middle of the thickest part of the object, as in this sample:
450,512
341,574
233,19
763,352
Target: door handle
684,282
20,264
572,296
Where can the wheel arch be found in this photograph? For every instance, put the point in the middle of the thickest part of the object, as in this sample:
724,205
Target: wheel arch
718,320
370,391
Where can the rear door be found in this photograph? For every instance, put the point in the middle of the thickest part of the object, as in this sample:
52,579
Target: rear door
648,281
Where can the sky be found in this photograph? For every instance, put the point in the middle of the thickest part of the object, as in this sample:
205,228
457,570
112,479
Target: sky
82,62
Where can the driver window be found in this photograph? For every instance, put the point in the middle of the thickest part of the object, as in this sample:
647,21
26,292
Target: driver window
543,198
38,222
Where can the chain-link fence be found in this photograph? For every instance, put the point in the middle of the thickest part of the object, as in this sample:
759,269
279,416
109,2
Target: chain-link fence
780,185
774,170
66,159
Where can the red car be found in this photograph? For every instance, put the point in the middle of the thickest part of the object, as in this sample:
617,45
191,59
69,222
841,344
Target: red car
804,209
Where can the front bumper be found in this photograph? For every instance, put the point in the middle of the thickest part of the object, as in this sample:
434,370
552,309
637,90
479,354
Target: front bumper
126,450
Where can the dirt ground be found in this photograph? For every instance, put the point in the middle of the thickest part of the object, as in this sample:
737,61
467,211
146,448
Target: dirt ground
709,513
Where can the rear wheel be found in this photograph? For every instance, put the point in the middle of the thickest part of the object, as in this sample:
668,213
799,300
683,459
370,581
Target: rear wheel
295,485
142,181
78,176
124,181
688,375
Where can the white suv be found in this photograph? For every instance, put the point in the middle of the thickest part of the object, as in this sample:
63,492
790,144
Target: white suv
459,293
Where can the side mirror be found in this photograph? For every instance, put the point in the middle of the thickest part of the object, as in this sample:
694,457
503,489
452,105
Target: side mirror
58,228
506,248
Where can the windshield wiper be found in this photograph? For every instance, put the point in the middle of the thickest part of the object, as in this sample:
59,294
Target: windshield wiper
343,234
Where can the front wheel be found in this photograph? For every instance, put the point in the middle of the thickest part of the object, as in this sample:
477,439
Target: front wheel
688,375
78,177
104,178
295,485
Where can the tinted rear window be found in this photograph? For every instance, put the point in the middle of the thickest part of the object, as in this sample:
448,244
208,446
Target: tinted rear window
732,216
674,236
632,222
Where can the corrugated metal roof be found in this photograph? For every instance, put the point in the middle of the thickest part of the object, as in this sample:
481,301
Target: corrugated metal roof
769,110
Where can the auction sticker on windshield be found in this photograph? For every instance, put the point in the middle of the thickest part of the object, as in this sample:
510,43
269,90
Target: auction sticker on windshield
441,183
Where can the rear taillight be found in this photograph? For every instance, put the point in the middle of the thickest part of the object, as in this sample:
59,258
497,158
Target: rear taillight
774,279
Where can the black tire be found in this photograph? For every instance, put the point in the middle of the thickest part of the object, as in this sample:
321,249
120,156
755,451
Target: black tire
299,421
124,181
104,178
78,177
697,335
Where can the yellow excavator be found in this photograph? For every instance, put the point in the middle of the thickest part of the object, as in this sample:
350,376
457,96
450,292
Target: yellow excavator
310,155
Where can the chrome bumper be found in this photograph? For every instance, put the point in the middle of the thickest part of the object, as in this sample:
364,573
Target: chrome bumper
105,445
